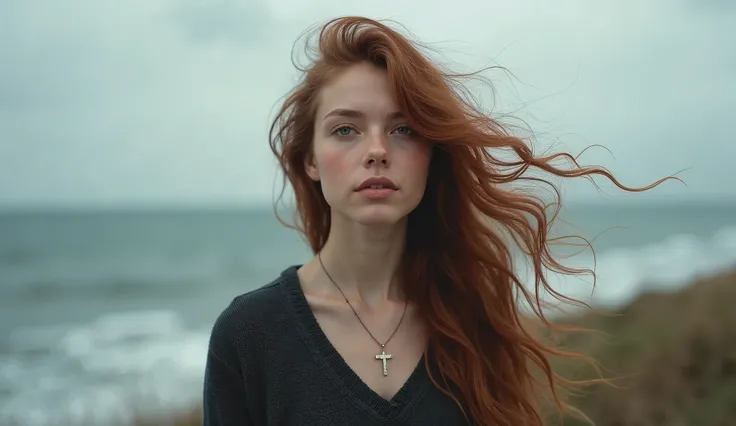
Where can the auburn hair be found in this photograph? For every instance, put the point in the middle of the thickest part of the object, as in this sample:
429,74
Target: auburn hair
458,266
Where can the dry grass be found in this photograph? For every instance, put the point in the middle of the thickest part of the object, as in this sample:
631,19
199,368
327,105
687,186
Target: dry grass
193,418
675,355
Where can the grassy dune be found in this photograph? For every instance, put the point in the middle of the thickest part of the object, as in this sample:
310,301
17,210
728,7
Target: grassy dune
675,354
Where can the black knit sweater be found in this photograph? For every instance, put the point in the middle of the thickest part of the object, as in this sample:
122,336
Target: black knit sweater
269,364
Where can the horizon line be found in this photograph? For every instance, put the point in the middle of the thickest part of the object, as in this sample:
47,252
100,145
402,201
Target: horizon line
132,207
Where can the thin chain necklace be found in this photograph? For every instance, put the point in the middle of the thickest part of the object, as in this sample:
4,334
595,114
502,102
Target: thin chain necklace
383,356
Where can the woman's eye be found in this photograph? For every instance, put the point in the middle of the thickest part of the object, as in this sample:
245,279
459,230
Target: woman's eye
344,131
404,130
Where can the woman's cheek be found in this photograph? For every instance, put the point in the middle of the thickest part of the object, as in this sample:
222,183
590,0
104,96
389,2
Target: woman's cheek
333,164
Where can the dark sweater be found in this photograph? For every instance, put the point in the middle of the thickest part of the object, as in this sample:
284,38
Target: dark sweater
269,363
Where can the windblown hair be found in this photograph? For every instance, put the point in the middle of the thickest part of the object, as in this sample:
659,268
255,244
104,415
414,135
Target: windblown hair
458,266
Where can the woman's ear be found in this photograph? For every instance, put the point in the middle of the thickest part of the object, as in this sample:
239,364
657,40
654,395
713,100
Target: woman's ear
311,167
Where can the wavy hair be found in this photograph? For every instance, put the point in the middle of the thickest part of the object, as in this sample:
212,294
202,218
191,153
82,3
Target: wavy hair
458,266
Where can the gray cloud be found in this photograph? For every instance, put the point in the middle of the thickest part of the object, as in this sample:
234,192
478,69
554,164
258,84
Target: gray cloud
714,6
224,20
169,101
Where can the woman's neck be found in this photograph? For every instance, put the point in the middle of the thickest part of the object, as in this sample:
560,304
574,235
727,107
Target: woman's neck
363,260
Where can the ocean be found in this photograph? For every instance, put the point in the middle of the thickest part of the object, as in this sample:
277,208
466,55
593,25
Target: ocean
105,315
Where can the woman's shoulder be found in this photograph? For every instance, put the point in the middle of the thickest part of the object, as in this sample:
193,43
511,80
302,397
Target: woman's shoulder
251,314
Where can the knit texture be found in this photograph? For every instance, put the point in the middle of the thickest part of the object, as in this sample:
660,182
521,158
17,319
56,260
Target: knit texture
269,364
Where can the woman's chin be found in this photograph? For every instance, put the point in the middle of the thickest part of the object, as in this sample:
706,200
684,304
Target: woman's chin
378,216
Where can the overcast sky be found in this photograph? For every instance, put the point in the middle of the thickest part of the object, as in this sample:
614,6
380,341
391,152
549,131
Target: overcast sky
169,101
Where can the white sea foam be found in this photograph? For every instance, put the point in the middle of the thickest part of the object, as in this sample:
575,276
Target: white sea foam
624,273
99,373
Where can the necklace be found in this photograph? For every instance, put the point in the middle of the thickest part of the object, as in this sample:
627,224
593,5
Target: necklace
383,356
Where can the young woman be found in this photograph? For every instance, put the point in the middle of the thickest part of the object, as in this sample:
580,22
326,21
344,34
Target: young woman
408,313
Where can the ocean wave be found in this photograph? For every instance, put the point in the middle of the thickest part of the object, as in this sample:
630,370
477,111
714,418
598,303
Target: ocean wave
105,372
622,274
110,287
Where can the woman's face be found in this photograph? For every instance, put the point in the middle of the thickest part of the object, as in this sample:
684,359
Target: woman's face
359,135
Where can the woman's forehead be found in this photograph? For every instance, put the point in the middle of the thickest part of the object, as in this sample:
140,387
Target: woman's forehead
361,90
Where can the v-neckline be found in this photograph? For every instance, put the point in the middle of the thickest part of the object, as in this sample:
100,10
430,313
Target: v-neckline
339,371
